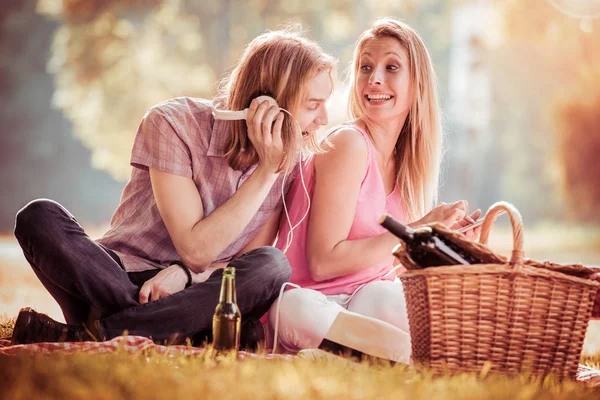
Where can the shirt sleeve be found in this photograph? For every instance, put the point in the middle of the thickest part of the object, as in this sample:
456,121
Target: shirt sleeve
160,144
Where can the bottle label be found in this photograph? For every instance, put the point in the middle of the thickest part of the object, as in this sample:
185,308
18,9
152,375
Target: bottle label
226,333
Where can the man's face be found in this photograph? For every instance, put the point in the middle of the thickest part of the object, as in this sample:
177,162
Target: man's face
311,113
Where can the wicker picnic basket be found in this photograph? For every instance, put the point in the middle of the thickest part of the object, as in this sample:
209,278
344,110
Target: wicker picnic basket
516,316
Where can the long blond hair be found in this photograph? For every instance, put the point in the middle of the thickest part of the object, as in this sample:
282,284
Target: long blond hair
418,151
277,64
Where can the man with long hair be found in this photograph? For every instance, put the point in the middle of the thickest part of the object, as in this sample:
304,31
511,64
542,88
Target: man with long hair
202,193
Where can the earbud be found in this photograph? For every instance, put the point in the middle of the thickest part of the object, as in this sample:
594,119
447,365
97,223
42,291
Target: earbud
236,115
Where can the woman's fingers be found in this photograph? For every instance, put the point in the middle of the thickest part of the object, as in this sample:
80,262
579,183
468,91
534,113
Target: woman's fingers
467,220
461,205
476,214
456,215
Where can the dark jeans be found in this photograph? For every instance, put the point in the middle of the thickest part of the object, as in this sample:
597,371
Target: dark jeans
83,275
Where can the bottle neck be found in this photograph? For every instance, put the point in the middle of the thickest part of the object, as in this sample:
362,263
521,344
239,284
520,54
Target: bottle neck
228,294
406,233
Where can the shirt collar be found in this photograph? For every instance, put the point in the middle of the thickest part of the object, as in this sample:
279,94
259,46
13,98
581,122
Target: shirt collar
218,136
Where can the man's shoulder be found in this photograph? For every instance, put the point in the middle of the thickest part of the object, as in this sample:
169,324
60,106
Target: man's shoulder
182,107
187,115
188,118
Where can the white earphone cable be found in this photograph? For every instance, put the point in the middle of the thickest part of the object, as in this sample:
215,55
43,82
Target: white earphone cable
393,269
290,235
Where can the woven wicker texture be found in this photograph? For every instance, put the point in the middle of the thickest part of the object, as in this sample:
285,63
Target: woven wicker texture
520,315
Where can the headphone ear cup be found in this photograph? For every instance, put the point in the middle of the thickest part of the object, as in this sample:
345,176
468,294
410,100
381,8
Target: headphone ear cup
238,115
269,99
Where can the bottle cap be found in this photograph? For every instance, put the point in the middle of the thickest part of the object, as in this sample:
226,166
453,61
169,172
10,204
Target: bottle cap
229,270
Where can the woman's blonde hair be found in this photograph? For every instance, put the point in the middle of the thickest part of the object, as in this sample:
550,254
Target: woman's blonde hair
418,150
277,64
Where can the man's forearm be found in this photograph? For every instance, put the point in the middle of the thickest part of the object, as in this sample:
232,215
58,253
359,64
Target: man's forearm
211,235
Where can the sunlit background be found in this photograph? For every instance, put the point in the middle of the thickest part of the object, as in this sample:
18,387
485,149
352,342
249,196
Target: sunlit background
519,83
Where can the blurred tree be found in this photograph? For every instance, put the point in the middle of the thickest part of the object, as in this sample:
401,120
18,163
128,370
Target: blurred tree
38,155
113,59
539,56
577,118
9,7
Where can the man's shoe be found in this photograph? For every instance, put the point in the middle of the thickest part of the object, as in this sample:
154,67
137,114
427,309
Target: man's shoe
252,334
33,327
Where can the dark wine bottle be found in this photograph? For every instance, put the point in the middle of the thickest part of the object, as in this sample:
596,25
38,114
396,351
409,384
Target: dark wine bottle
428,247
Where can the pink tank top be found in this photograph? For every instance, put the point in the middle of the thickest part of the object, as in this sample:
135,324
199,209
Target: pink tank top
372,203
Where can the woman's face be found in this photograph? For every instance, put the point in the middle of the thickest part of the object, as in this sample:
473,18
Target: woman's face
383,79
311,113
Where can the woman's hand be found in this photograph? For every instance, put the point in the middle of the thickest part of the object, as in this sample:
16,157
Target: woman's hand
446,214
264,124
168,281
454,216
472,234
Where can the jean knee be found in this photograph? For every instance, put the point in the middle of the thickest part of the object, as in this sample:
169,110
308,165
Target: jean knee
33,214
273,265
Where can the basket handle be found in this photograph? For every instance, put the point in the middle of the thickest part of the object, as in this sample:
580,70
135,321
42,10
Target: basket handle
516,222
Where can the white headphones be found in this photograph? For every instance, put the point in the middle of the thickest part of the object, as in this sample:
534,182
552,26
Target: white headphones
236,115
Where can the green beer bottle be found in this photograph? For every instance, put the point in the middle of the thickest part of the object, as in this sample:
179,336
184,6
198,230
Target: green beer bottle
227,319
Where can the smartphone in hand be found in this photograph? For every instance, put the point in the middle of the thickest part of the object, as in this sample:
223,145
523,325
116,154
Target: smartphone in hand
477,223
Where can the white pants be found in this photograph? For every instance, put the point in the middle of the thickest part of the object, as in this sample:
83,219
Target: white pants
306,315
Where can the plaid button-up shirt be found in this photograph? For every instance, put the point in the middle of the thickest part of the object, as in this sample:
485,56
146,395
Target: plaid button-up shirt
180,137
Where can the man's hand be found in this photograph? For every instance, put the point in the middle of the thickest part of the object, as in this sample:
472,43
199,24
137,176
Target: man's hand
168,281
264,125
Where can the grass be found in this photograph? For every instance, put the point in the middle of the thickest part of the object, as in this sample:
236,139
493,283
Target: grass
6,327
145,376
148,375
591,360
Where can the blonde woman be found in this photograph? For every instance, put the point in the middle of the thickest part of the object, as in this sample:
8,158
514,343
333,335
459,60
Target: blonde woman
387,160
202,192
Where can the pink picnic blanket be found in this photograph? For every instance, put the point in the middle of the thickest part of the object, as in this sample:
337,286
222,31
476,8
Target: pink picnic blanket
130,344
